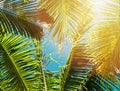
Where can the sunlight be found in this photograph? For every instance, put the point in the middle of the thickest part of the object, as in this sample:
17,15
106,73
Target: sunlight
98,4
59,45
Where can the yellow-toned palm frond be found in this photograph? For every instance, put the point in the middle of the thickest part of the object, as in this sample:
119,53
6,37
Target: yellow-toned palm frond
71,18
103,40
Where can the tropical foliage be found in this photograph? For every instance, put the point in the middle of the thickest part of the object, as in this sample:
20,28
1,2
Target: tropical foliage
92,27
19,67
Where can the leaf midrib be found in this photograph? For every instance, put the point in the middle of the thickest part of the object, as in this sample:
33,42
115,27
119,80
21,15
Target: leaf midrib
14,67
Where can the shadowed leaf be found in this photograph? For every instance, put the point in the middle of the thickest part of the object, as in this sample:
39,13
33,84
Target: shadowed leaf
13,24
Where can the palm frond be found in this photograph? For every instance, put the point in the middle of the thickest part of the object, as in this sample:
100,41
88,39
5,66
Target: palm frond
28,10
102,41
12,24
42,68
76,70
19,64
99,83
70,18
53,80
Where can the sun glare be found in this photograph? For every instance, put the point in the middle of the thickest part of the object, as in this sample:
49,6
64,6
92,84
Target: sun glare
98,4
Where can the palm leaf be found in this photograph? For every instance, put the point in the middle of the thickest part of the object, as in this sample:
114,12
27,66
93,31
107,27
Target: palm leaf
76,70
53,80
20,17
42,65
68,18
19,64
27,10
102,41
13,24
99,83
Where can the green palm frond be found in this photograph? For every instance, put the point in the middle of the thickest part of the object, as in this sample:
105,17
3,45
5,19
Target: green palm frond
19,64
53,80
13,24
99,83
76,70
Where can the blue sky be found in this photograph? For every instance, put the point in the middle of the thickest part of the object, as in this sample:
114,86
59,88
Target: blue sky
50,47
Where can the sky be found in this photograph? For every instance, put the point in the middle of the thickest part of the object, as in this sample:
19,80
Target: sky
50,47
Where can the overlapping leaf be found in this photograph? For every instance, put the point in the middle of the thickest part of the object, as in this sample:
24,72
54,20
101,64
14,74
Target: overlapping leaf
53,80
76,70
102,42
70,18
99,83
19,64
28,10
11,23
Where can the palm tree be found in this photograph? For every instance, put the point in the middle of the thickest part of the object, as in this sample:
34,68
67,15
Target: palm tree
91,27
